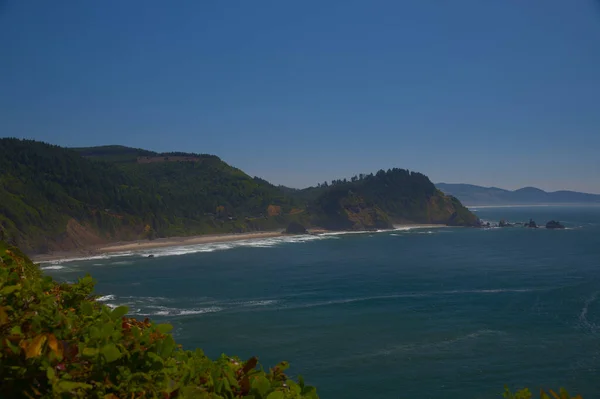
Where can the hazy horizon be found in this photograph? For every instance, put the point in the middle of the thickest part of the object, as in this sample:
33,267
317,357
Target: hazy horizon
487,93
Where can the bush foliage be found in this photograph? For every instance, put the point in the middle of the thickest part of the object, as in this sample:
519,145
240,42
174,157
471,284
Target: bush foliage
56,341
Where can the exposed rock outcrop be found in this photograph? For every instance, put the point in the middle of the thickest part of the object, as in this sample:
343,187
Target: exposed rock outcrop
295,228
554,224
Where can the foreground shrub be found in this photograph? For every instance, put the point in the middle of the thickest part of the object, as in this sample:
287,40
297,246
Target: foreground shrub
526,394
56,341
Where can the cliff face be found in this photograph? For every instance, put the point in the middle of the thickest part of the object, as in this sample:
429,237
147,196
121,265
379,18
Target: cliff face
349,212
448,210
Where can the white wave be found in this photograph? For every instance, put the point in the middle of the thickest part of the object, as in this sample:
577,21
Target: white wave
55,267
260,303
251,243
151,299
341,233
425,294
584,311
86,258
420,347
476,207
105,298
488,291
123,262
166,311
418,227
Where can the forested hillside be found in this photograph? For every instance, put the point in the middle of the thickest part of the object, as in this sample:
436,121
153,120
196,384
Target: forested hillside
54,198
382,199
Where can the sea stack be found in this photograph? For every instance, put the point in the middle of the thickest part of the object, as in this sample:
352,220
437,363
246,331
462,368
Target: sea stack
554,224
531,224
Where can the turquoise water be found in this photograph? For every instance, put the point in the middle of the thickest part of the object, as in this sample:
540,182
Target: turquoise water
428,313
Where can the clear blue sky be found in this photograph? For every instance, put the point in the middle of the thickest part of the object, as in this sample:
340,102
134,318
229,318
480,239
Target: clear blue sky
503,93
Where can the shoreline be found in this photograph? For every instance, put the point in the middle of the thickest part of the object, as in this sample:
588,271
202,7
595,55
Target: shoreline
142,245
171,242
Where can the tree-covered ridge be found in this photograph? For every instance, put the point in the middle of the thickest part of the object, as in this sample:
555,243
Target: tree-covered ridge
387,197
50,195
53,198
56,341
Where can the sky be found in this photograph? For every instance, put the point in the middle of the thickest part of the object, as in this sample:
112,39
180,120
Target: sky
495,93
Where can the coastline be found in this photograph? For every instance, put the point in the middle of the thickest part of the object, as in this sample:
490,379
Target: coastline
143,245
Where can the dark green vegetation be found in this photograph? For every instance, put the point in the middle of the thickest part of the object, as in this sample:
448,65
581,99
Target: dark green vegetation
56,341
53,198
476,195
379,200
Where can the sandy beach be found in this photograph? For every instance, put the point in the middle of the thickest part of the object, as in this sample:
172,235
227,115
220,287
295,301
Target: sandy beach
143,245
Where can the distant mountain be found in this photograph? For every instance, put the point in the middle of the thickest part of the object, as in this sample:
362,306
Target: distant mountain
471,195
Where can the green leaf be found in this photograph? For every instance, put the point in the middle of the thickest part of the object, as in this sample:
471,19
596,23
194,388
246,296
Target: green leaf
50,373
110,352
10,289
86,280
164,328
168,345
275,395
95,333
261,385
157,361
87,308
68,386
293,387
119,312
90,352
107,330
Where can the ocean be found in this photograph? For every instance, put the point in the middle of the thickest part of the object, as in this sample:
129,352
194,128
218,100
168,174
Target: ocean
428,313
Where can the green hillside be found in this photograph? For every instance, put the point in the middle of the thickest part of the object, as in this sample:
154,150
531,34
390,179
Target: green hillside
54,198
380,200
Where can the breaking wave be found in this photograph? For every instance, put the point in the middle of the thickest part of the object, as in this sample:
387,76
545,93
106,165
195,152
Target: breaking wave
53,267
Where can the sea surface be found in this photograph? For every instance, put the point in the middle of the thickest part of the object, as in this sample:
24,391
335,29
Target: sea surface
428,313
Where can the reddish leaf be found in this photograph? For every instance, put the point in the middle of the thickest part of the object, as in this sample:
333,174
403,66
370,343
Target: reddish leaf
54,345
34,348
250,364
